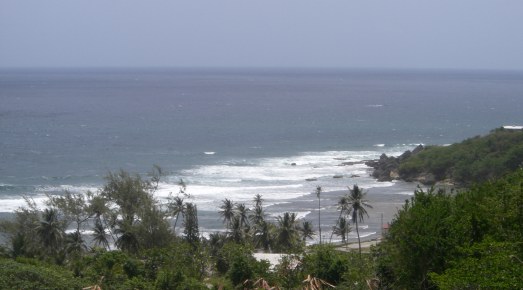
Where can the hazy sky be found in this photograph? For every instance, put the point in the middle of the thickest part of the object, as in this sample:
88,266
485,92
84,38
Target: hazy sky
463,34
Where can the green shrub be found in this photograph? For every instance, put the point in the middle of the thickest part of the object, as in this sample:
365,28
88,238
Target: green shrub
16,275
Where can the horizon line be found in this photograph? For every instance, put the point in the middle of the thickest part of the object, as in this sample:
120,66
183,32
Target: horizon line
263,68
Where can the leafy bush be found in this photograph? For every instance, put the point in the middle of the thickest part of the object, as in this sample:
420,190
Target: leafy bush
16,275
440,239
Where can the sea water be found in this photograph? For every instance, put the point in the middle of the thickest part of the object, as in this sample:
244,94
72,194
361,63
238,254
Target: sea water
236,133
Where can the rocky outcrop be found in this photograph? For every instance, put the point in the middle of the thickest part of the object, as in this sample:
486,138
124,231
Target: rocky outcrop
387,167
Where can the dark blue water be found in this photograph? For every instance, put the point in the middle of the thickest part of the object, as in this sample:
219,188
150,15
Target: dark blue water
64,129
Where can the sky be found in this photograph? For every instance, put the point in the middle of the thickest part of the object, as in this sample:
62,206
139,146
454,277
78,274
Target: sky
390,34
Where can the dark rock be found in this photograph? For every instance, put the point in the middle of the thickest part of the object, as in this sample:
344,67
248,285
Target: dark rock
293,164
386,168
418,149
405,155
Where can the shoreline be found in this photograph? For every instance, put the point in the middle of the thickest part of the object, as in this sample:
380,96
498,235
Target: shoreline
385,198
386,201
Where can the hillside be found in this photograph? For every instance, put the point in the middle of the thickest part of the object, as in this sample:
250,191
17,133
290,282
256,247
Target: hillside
474,160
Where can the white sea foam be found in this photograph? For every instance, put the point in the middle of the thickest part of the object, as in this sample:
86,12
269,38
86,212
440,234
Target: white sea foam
353,235
67,187
12,204
277,179
299,214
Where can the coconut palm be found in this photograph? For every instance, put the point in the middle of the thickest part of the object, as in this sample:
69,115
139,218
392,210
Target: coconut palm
242,213
358,203
287,233
258,200
74,244
237,233
344,208
227,211
342,229
176,207
318,193
307,231
216,242
50,231
127,240
263,236
99,235
257,216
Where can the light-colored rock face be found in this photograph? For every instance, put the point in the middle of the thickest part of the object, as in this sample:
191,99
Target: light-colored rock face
394,174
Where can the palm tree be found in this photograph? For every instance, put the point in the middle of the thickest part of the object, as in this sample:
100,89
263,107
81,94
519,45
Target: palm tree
243,214
287,231
74,244
50,230
307,232
176,207
342,229
344,208
257,216
99,235
263,236
236,231
318,193
358,203
127,239
227,211
258,200
216,242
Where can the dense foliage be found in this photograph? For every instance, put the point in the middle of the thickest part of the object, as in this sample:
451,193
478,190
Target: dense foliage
31,274
473,160
467,240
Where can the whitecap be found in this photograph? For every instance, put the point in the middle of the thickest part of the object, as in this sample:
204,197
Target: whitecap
12,204
299,214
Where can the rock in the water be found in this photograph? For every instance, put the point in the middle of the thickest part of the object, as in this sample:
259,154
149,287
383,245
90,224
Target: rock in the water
387,167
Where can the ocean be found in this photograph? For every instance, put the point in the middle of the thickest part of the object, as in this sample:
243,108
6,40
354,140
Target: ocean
234,133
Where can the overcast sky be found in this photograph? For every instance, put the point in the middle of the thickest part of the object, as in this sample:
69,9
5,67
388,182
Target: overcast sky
460,34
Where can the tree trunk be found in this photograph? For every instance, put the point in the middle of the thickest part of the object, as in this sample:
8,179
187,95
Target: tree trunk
358,233
319,217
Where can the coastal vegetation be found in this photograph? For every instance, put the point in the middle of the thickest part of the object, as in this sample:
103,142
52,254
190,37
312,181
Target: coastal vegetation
472,239
122,237
474,160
